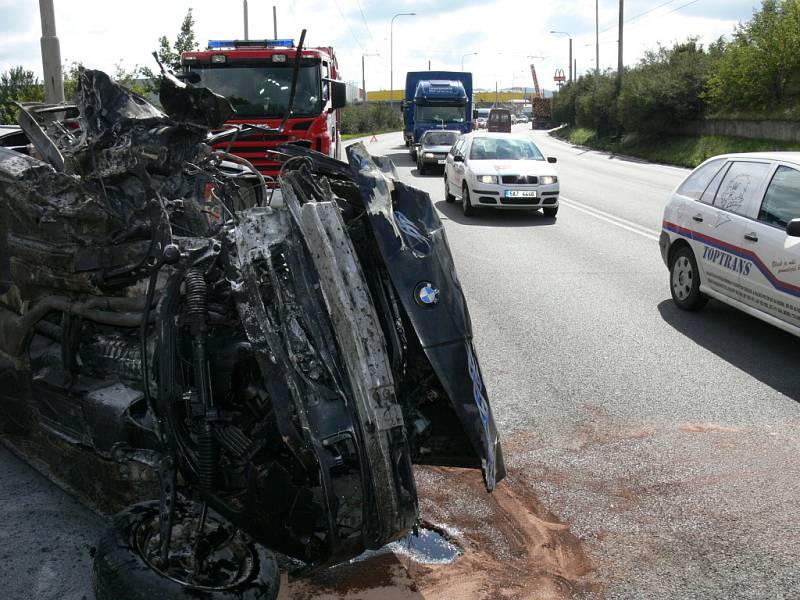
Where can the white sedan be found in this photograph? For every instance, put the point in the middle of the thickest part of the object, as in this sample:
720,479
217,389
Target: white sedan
731,231
500,171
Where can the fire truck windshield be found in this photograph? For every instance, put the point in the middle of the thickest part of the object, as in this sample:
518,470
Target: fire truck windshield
263,91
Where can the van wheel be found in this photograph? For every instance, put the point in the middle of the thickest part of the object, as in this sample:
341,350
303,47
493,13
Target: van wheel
448,197
127,566
684,281
466,205
550,211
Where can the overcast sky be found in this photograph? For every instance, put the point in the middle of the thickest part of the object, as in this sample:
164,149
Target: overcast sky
504,33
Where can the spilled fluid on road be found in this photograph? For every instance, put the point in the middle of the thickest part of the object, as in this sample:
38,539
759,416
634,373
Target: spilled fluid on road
428,547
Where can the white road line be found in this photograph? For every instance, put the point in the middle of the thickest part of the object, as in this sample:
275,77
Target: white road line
609,218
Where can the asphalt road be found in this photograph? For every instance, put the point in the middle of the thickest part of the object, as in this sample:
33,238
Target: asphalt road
667,441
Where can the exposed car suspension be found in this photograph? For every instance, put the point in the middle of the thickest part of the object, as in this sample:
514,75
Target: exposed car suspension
197,313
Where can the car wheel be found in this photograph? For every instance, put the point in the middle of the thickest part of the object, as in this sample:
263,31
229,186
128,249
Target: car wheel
684,281
421,167
448,197
127,566
466,204
550,211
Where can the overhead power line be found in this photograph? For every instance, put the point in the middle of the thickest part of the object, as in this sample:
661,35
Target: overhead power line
676,9
647,12
366,26
350,29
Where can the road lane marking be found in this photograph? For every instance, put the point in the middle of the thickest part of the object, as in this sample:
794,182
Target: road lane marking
609,218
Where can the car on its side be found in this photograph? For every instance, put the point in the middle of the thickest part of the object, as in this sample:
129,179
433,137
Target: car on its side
501,171
731,231
433,148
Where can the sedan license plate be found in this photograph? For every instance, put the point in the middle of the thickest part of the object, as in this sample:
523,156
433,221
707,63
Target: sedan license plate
520,193
440,161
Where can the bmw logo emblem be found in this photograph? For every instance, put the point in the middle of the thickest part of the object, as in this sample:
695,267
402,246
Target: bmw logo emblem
425,294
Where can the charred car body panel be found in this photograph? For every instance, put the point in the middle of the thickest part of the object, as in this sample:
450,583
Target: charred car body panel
291,362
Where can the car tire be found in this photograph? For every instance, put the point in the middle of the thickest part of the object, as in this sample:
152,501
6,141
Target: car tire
550,211
421,168
466,204
120,572
448,197
684,280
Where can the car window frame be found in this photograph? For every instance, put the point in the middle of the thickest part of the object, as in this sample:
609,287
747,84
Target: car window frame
725,162
723,171
754,204
455,149
776,167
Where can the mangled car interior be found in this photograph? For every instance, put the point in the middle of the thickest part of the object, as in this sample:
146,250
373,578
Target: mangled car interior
272,370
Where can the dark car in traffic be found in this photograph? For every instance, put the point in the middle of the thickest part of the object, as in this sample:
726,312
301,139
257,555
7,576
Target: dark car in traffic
433,148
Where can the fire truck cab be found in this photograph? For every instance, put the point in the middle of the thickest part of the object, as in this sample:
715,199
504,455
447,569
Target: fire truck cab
256,78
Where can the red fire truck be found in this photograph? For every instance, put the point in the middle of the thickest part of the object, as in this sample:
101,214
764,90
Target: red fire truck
256,77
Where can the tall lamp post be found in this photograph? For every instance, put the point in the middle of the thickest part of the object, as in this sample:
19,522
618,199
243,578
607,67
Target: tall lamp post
570,51
391,55
465,56
363,78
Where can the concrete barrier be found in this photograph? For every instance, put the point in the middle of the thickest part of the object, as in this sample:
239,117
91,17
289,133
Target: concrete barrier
785,131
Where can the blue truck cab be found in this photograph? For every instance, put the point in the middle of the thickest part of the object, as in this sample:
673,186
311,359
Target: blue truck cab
436,100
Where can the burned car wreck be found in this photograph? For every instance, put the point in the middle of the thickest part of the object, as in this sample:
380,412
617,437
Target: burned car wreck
274,371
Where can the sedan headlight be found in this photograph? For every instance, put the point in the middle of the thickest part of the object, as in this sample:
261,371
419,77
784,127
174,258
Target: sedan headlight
487,178
549,180
428,155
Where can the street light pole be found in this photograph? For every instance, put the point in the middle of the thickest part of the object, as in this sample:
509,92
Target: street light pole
596,40
51,55
570,51
391,55
363,78
464,56
620,66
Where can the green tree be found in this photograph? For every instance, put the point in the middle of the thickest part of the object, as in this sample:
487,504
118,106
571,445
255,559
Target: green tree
18,84
596,106
665,88
169,53
755,68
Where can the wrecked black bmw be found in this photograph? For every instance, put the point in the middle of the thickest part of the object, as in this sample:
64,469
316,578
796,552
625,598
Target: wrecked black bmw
269,372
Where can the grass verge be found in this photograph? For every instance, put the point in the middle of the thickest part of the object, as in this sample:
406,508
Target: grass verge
680,150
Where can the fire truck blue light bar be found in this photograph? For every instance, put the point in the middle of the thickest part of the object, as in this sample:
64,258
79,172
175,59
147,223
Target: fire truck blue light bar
216,44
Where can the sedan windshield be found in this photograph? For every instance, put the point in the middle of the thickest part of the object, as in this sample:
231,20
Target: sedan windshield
263,91
440,138
447,114
490,148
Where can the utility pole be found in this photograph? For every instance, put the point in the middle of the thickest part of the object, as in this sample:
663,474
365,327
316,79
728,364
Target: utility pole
363,77
620,66
244,7
596,40
51,55
275,22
